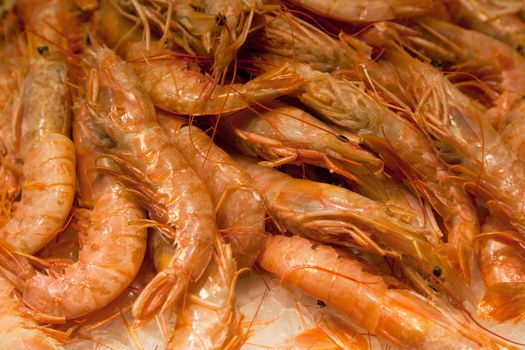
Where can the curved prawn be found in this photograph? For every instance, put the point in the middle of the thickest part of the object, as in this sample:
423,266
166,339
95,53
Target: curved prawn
285,134
240,208
364,11
169,188
113,243
398,316
17,330
176,84
335,215
48,156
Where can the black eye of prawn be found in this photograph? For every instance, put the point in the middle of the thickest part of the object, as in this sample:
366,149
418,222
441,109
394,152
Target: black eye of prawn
221,19
436,63
437,271
42,50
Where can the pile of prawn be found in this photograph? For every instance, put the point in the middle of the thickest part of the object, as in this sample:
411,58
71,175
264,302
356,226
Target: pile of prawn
370,154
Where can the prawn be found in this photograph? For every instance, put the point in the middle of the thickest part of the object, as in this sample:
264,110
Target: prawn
398,316
177,85
239,206
365,11
283,134
499,65
18,330
168,187
113,242
48,156
336,215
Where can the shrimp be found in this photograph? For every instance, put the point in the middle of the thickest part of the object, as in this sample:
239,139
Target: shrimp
113,244
503,67
170,190
398,316
365,11
17,330
208,319
335,215
498,20
177,85
282,134
48,156
240,208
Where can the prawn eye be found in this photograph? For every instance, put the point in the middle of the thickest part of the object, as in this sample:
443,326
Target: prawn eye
321,303
221,19
42,50
519,48
437,271
342,138
436,63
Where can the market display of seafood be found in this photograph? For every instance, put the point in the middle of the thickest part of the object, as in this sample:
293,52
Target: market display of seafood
262,174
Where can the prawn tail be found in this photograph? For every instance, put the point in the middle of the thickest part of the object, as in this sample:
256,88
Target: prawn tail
14,267
161,294
503,302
